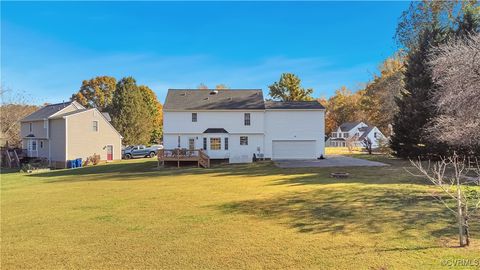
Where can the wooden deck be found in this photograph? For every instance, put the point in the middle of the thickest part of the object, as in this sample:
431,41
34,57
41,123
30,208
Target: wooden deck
182,155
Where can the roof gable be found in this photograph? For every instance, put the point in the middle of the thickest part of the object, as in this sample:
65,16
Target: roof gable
50,110
346,127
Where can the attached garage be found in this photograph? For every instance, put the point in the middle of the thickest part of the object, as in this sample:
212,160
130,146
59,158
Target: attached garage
294,149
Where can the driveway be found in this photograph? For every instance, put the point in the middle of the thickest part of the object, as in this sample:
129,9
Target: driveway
330,161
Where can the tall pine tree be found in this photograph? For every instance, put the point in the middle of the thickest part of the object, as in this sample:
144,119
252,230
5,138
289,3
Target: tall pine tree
130,114
415,106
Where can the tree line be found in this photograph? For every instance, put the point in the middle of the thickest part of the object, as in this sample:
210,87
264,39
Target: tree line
135,110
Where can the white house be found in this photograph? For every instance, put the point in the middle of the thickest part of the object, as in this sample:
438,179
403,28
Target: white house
236,124
356,132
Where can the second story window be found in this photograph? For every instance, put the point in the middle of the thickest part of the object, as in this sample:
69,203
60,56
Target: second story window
345,135
246,119
30,126
45,123
334,134
95,126
194,117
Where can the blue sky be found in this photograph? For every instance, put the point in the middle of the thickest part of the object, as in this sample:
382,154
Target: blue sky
48,48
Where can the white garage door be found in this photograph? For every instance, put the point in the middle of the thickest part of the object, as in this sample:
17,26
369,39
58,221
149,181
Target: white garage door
293,150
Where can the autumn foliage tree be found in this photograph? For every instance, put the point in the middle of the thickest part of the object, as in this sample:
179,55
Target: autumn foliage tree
155,111
289,88
96,93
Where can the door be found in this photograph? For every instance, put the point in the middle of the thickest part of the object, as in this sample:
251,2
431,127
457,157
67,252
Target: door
298,149
32,148
191,144
109,152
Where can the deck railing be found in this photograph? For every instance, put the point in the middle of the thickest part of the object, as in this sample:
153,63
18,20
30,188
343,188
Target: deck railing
181,154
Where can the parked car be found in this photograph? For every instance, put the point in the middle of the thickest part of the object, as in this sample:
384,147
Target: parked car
134,151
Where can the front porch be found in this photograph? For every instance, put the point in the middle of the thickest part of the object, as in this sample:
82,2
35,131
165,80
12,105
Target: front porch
183,155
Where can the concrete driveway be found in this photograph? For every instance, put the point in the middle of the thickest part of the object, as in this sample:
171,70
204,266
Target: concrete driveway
330,161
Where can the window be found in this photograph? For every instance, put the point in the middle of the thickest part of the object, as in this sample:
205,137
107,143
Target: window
215,143
194,117
95,126
345,135
375,134
178,142
30,127
41,144
34,145
243,140
334,134
246,119
225,142
191,144
204,143
45,123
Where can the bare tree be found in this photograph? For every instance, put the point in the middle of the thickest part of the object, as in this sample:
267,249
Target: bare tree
13,107
456,70
453,178
202,86
350,142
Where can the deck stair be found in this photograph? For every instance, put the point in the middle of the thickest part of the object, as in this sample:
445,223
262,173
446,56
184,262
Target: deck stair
11,157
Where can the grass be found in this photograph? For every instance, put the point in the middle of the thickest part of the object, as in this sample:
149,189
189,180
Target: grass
342,151
132,215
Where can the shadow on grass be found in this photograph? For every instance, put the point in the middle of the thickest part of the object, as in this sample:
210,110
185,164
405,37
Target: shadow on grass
147,169
401,213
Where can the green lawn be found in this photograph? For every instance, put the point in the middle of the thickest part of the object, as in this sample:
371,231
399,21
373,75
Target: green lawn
132,215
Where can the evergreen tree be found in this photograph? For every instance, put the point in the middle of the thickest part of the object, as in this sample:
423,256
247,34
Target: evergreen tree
415,106
130,114
289,89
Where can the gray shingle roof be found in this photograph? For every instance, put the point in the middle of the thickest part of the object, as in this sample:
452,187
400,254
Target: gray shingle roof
46,112
345,127
224,99
292,105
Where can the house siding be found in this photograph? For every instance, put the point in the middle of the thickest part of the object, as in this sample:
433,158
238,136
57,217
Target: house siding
295,125
57,141
83,142
38,129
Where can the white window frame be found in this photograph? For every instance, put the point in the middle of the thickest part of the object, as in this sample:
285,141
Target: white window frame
243,140
95,128
247,119
219,143
194,117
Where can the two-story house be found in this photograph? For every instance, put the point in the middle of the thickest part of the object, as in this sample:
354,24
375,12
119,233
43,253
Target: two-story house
66,131
236,124
355,133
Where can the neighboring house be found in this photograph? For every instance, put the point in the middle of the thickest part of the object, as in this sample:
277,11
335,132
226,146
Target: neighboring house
66,131
356,133
236,124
